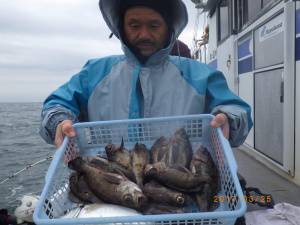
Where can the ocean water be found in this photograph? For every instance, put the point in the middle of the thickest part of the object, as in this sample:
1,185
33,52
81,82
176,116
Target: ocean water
20,146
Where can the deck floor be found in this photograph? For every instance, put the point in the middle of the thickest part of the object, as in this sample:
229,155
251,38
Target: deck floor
258,175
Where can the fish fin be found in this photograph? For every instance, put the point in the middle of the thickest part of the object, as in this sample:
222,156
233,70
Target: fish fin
181,168
99,162
118,171
112,178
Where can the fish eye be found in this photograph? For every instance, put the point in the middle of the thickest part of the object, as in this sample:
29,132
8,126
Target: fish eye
127,198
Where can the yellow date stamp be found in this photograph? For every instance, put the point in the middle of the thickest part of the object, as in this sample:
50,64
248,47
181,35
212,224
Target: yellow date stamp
248,198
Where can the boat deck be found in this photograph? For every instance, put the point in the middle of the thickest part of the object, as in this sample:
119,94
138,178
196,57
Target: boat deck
258,175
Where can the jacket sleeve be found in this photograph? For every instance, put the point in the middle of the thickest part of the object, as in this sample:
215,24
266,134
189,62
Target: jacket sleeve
221,100
67,102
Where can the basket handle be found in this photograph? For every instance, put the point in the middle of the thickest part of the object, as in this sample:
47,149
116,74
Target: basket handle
56,158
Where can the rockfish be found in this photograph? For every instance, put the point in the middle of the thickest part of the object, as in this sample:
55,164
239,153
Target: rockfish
161,194
202,164
178,178
140,158
80,189
118,154
173,151
110,187
109,166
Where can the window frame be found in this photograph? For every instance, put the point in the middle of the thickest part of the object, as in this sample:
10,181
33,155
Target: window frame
238,16
243,14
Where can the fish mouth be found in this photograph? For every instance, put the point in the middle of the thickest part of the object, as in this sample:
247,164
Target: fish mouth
180,200
141,201
136,202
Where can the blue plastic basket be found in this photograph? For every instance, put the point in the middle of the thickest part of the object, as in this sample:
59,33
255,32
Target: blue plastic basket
91,139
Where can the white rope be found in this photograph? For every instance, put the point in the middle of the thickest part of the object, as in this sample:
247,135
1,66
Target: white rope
25,168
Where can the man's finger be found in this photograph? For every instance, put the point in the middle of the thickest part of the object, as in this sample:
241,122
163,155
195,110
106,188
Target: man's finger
67,128
63,129
219,120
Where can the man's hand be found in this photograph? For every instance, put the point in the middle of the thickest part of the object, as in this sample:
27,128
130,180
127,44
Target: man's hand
221,120
63,129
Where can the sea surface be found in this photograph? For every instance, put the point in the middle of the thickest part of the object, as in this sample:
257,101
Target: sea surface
21,146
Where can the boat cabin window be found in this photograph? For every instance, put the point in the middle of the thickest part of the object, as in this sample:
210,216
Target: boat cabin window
223,20
253,7
249,10
235,15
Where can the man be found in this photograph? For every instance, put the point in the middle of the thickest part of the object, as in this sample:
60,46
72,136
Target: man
145,81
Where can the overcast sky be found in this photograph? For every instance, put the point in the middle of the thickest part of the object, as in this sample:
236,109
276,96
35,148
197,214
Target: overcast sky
44,42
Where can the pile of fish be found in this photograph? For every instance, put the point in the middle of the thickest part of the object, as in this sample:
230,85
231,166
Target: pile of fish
168,178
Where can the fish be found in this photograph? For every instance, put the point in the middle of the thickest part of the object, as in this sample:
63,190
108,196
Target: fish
157,208
140,158
176,177
24,212
180,149
80,189
159,150
100,210
110,187
161,194
119,154
109,166
176,150
202,164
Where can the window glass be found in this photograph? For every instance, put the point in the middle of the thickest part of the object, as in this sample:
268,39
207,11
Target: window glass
245,17
223,20
241,14
249,10
266,2
254,7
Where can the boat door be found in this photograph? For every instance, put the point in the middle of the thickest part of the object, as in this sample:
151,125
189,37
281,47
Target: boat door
266,70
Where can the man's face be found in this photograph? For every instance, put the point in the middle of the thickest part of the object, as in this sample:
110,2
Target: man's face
145,30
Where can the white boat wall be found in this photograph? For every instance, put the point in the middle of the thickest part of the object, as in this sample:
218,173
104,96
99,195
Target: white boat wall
256,44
